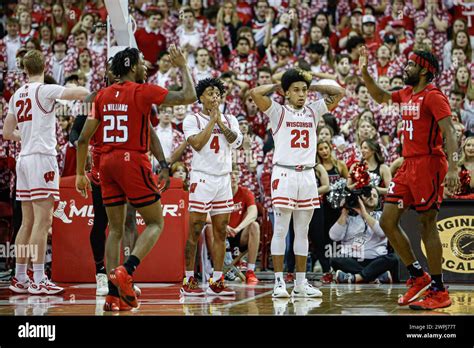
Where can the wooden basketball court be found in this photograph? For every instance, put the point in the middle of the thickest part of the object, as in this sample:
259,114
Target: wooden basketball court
164,300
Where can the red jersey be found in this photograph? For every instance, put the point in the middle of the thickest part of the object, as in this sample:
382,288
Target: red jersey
243,199
124,111
421,113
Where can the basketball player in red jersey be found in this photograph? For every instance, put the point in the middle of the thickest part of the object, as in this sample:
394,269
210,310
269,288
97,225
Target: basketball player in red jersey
426,118
123,110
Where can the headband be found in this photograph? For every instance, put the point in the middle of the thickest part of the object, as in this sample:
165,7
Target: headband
424,63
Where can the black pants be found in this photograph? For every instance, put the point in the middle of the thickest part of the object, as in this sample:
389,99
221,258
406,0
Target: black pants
369,269
97,236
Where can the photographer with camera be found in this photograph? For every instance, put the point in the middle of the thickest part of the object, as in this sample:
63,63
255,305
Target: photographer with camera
363,256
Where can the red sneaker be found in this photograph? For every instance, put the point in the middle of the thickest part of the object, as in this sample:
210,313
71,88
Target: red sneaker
250,277
327,278
124,282
115,304
218,288
417,287
290,278
432,300
191,288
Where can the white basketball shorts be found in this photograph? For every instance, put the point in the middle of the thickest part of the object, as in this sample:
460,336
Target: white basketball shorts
293,189
210,193
37,177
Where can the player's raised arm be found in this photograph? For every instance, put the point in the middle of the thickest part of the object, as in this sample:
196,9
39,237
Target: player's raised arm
259,95
334,93
377,93
187,95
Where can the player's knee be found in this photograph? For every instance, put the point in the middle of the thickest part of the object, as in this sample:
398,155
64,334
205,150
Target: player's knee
27,224
254,230
197,227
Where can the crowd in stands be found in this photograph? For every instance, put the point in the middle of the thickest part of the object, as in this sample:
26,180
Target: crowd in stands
247,43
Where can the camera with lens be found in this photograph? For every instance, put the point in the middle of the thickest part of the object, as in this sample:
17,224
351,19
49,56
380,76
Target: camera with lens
352,196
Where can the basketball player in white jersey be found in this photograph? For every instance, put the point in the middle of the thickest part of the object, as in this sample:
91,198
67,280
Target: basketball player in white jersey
212,137
32,109
294,188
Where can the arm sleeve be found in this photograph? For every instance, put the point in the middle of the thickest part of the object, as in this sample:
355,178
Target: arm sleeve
76,129
151,94
337,232
438,105
319,108
190,126
235,127
274,112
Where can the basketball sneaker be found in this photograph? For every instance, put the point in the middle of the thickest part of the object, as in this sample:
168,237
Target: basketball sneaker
279,290
305,289
416,288
327,278
45,286
251,278
433,299
138,291
124,283
218,288
102,286
191,288
115,304
19,287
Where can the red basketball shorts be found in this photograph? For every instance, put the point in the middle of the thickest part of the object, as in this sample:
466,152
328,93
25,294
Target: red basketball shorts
127,175
419,183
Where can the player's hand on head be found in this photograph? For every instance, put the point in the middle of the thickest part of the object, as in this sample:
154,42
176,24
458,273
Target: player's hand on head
83,185
363,57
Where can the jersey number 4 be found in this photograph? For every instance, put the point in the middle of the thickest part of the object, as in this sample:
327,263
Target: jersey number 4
297,134
24,114
115,123
215,144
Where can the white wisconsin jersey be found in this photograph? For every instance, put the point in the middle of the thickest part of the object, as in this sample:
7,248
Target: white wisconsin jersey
33,107
294,132
215,157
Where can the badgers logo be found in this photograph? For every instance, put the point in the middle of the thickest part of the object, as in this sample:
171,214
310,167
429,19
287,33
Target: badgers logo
49,176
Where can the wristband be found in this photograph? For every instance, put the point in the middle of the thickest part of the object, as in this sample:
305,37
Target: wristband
164,164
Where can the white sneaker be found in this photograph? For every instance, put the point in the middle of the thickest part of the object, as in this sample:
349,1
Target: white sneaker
305,289
279,290
45,286
102,284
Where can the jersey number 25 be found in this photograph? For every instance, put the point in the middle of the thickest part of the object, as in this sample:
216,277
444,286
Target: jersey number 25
115,123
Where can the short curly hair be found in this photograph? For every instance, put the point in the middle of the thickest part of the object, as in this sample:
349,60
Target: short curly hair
295,75
124,60
209,82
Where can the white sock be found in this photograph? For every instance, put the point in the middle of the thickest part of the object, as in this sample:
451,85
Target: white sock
20,272
300,277
251,267
278,277
216,276
38,272
189,274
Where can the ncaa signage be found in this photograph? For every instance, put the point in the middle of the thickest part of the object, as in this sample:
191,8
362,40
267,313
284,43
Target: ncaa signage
457,238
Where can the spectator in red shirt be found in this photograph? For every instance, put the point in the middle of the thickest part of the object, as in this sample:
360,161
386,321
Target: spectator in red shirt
355,26
353,45
150,40
398,12
242,231
26,30
372,39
